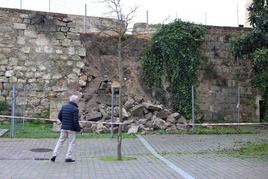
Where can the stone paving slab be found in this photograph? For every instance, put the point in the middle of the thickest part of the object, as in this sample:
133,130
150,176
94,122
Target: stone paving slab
16,160
213,166
202,143
195,154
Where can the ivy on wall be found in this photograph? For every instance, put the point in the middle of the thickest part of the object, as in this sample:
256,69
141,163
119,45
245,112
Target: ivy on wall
254,45
172,57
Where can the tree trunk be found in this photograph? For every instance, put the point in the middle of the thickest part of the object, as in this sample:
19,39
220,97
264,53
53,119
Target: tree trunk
119,143
119,138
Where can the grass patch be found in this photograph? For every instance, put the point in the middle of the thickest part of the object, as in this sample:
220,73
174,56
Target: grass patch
252,150
214,130
114,158
35,130
31,130
105,135
224,130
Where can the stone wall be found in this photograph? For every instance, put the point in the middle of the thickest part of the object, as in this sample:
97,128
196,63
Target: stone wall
220,76
42,50
48,52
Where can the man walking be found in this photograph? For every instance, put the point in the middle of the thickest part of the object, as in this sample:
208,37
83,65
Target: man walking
68,116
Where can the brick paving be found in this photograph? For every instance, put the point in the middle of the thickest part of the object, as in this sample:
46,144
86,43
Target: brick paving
195,154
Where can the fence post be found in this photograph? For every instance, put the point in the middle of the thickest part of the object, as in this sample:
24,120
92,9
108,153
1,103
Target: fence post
49,5
85,19
112,114
238,105
193,109
147,20
13,111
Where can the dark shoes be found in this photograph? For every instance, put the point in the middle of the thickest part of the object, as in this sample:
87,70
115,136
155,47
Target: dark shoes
53,159
69,160
66,160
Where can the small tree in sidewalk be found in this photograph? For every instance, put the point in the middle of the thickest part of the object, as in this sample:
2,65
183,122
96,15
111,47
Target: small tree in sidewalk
121,27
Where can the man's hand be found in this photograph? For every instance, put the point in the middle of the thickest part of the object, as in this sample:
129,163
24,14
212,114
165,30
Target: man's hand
58,122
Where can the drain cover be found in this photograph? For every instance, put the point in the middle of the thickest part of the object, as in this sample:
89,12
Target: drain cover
41,158
41,150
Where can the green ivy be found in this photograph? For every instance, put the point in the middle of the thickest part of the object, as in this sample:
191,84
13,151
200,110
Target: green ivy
173,56
3,107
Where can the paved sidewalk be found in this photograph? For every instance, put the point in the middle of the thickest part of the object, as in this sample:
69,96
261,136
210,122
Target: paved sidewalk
195,154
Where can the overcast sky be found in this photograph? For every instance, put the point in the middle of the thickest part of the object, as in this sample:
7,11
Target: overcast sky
213,12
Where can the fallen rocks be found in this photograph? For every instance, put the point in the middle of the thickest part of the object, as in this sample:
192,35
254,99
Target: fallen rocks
159,123
137,111
152,107
137,116
133,129
94,116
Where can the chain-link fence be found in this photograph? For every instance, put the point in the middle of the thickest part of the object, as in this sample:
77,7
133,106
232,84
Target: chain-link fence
20,103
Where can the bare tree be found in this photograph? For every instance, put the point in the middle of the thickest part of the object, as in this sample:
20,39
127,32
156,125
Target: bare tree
121,27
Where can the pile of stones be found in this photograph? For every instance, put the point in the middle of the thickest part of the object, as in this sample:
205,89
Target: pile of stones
138,116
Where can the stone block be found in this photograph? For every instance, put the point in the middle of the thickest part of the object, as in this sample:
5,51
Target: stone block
81,52
59,88
29,75
26,21
3,61
39,50
72,76
73,36
106,99
82,83
76,43
163,114
80,65
76,71
71,51
48,49
9,73
60,23
38,74
24,15
159,123
64,29
101,128
19,26
25,49
55,42
47,77
66,42
3,79
56,76
20,40
60,35
58,51
13,61
2,68
152,107
71,24
76,58
133,129
137,111
94,116
32,80
143,121
42,40
30,33
73,30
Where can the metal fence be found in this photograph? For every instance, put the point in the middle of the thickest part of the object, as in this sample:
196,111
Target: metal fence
20,106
